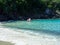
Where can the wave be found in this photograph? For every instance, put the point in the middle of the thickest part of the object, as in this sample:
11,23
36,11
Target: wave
24,37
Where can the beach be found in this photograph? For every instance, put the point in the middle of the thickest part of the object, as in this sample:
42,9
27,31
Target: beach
5,43
25,38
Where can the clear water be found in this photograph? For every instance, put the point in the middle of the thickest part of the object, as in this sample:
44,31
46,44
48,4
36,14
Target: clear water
44,25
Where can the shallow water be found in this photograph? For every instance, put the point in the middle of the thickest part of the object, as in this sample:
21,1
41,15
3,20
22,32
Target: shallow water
51,26
26,38
31,33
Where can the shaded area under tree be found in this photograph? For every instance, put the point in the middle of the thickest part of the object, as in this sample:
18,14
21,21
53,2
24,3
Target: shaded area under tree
23,9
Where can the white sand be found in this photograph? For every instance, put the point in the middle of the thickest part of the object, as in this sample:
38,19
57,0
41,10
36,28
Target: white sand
26,38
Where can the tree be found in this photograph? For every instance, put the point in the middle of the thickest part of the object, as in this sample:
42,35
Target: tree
13,9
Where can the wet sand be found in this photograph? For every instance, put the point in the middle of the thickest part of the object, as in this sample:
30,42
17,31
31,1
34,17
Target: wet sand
5,43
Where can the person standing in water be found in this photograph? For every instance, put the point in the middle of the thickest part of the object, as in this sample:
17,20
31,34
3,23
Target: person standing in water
29,19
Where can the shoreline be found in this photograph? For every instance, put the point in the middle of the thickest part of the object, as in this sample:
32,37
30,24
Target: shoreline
24,38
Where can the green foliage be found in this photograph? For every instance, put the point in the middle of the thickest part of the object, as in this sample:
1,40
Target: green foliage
11,8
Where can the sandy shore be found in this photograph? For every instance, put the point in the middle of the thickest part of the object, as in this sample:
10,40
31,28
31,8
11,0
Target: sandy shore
5,43
26,38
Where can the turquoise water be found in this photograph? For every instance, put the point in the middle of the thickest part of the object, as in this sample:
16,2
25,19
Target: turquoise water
45,25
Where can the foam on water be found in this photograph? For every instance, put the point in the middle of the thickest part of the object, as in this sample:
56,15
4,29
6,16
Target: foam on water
22,37
31,37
